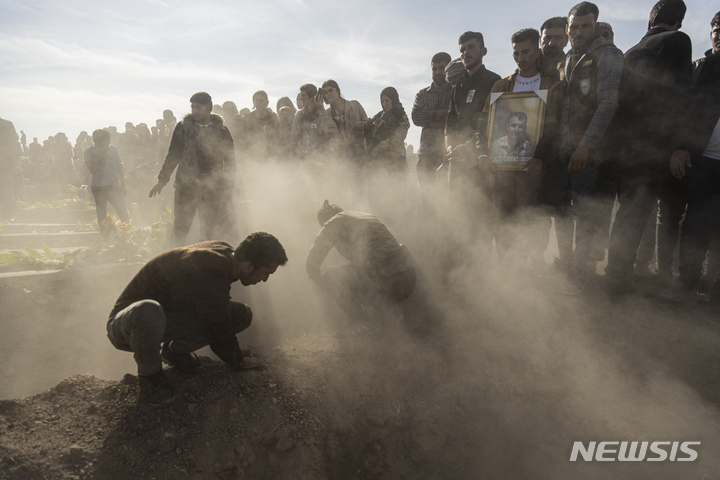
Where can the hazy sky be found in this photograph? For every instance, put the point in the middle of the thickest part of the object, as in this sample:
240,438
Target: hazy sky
71,66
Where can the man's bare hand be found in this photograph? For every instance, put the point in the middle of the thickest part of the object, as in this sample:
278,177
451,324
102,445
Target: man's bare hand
579,159
156,189
678,161
249,363
534,166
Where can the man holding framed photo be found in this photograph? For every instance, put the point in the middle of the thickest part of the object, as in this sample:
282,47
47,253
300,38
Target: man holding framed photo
516,190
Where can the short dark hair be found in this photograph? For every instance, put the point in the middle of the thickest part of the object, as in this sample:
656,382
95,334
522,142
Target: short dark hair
441,57
584,8
469,36
715,20
309,89
526,34
100,135
554,22
520,115
203,98
261,249
327,211
668,12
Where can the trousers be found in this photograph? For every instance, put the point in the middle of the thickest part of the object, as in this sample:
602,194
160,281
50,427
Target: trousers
143,326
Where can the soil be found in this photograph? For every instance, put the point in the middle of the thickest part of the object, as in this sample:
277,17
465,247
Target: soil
501,388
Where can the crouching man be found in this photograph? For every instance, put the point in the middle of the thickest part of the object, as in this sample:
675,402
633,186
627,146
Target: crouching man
381,271
181,300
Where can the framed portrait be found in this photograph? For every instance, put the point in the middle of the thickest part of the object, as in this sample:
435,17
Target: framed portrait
515,125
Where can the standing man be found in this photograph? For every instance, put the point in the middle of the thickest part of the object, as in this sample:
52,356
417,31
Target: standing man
553,40
516,194
469,188
592,70
9,156
654,94
108,180
701,164
428,112
202,149
181,299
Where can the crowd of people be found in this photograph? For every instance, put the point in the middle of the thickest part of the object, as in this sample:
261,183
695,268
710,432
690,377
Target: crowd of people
561,140
637,129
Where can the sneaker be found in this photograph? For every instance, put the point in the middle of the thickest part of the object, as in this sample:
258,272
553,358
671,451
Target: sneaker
156,389
186,363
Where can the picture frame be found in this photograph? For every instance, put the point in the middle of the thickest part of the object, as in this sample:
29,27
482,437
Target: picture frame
515,125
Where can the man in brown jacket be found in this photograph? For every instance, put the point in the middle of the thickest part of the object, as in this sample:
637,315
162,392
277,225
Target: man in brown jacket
516,187
181,299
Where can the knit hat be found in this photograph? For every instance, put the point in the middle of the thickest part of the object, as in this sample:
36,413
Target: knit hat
453,68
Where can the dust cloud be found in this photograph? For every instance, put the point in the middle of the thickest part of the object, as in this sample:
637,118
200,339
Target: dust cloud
505,376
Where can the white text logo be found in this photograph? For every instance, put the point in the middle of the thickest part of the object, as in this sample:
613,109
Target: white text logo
634,451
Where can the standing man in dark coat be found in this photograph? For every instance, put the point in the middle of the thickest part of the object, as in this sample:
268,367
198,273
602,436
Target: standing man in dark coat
654,91
700,163
469,187
203,151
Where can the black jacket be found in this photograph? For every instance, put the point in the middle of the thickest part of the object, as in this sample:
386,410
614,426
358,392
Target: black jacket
706,101
466,105
202,155
653,100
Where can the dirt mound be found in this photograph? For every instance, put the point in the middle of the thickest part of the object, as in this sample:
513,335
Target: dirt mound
500,394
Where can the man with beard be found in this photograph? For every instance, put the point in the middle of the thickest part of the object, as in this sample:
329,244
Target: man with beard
553,40
202,150
469,188
428,112
656,81
592,70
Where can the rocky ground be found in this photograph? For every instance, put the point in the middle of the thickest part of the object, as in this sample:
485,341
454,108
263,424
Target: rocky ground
501,389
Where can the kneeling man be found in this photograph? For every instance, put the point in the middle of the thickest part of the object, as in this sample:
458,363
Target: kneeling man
181,299
381,271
